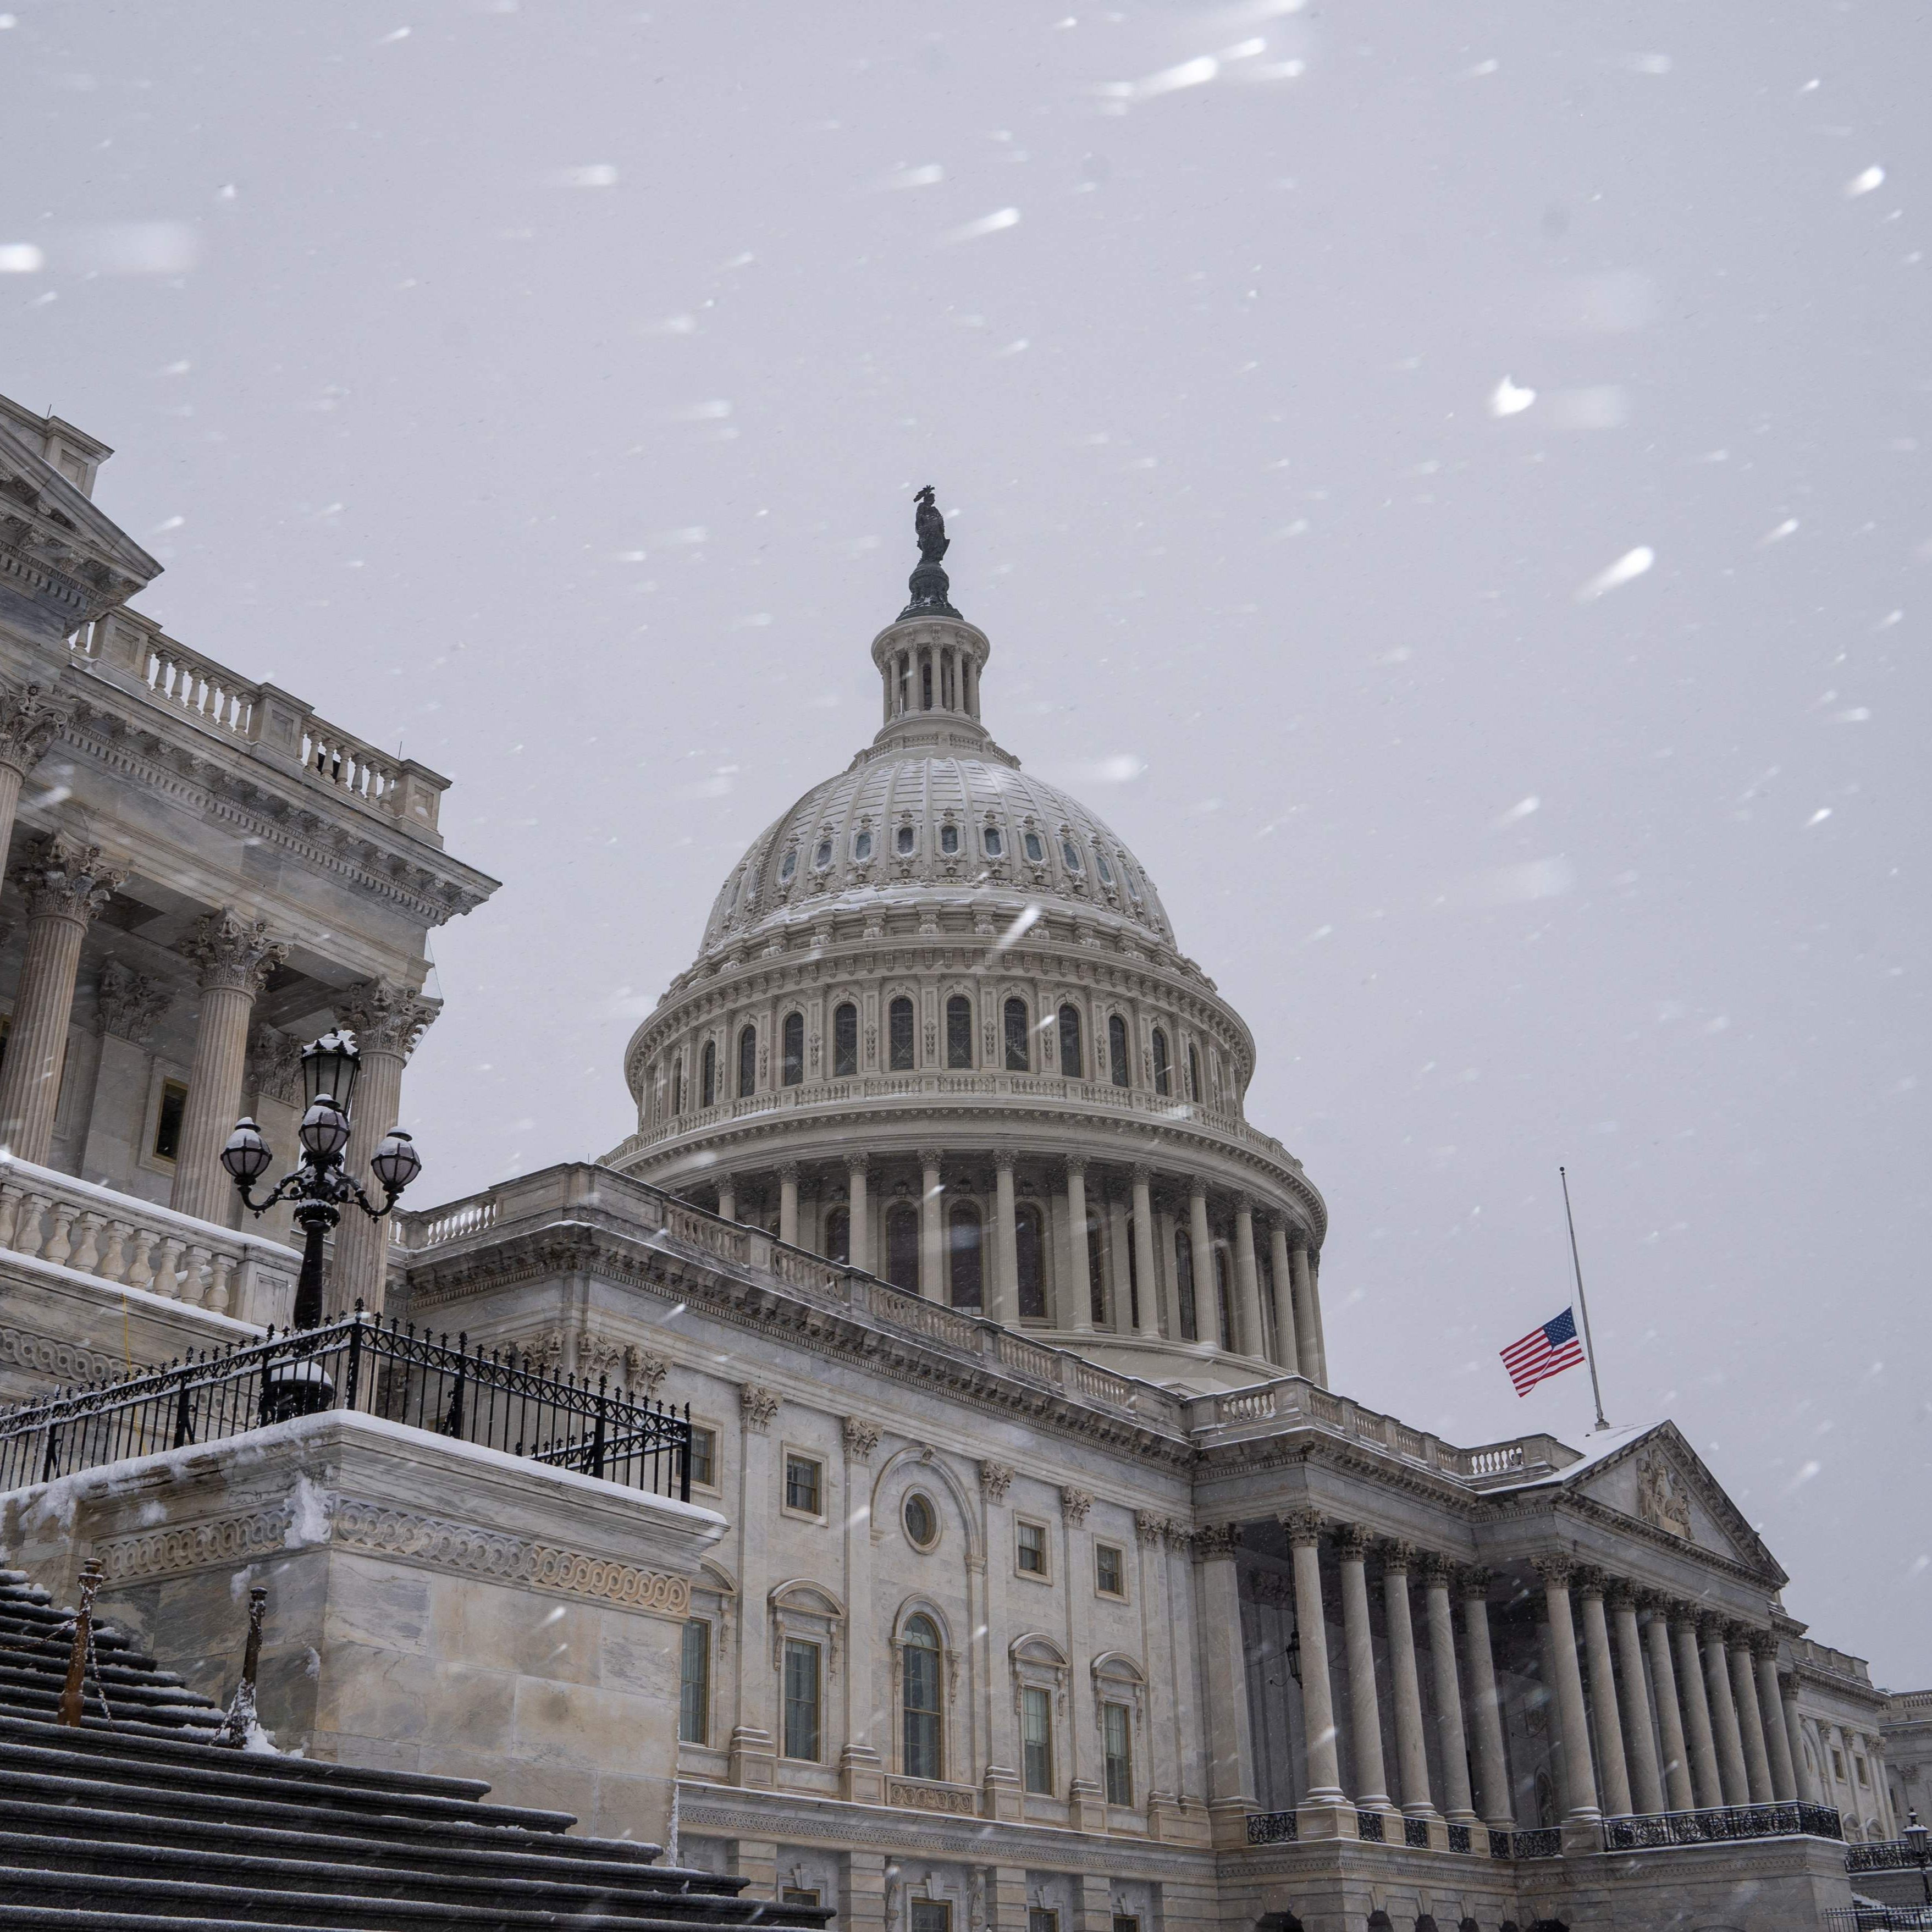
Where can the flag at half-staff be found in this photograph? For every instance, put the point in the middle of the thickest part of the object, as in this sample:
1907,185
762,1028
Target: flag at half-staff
1543,1352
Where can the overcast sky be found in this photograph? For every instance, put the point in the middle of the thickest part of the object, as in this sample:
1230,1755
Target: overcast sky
1447,483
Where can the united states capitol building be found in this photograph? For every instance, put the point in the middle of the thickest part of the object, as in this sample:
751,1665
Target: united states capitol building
1039,1571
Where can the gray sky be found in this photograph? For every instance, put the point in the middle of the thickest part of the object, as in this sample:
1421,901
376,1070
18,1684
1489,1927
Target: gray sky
1305,390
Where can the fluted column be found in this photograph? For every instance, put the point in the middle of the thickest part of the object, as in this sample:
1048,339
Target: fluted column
1287,1352
1080,1281
1006,1245
27,723
235,955
1770,1713
1253,1338
1794,1732
1435,1574
1646,1792
1750,1723
65,885
1678,1793
1207,1302
1145,1275
1712,1631
931,1229
1412,1749
1555,1572
1231,1759
1696,1708
858,1209
1307,1317
1365,1716
1485,1707
727,1198
1324,1783
388,1021
1616,1796
788,1202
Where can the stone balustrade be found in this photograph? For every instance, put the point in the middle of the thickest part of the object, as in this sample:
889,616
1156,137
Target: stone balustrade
131,1244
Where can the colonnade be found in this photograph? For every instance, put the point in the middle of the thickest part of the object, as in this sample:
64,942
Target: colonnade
1653,1705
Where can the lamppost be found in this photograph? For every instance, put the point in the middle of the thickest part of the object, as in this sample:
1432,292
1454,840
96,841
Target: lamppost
1916,1835
320,1187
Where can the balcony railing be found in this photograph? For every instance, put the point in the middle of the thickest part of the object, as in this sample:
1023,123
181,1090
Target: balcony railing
1879,1918
1721,1824
1884,1855
1272,1828
492,1399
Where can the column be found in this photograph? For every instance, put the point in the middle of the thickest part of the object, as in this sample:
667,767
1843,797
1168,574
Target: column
235,957
1005,1301
858,1212
727,1198
1127,1288
1678,1791
1696,1709
1288,1350
1603,1696
1231,1776
1307,1318
754,1746
1315,1317
1003,1799
1365,1716
1545,1678
788,1202
1080,1284
1794,1731
1146,1277
1554,1572
1492,1765
1771,1712
860,1770
1253,1338
388,1021
1165,1231
1750,1723
27,723
1712,1631
1323,1785
1646,1792
65,885
1206,1302
1411,1751
931,1230
1451,1743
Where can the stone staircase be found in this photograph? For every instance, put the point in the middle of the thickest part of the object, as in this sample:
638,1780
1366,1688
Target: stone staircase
138,1821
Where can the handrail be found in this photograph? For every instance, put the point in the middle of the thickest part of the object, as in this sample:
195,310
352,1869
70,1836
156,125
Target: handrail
1721,1824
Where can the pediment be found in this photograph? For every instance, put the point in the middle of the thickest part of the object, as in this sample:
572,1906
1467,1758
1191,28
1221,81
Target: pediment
1657,1478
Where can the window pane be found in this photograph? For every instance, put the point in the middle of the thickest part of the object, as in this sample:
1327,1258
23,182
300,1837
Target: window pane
694,1691
905,838
709,1073
1032,1547
822,857
1071,854
932,1915
1118,1737
921,1707
1035,850
1037,1739
794,1048
901,1028
845,1042
1193,1073
1224,1299
1162,1080
1069,1043
959,1031
949,839
168,1121
1096,1275
1108,1572
801,1701
1018,1042
1116,1049
838,1235
1183,1269
963,1232
748,1062
995,845
861,847
801,1484
703,1455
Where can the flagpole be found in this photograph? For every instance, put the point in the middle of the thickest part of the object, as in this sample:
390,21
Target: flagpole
1576,1261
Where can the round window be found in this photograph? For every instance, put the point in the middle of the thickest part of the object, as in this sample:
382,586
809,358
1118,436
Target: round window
922,1523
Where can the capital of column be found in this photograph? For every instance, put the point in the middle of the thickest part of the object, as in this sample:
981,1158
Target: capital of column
1076,1163
1398,1556
1788,1686
1619,1594
1197,1190
1244,1203
60,878
861,1437
1149,1528
1739,1636
930,1157
1303,1527
1434,1570
857,1163
1140,1174
1472,1584
233,952
1004,1161
1591,1583
27,723
1076,1502
1554,1572
384,1017
1351,1542
1217,1539
1713,1623
1681,1616
787,1170
1765,1645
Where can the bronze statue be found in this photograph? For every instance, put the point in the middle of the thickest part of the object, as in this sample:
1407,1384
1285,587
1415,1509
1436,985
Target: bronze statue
928,583
930,527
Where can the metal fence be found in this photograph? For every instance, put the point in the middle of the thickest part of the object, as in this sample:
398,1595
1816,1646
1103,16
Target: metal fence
1882,1854
493,1398
1720,1825
1880,1918
1272,1828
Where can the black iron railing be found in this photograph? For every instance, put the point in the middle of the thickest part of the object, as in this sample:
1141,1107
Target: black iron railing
1547,1842
1271,1827
1369,1825
1886,1855
1720,1825
495,1398
1460,1840
1499,1844
1415,1834
1879,1918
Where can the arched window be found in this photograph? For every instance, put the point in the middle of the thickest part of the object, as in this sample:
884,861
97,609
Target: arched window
924,1720
1029,1263
1019,1040
899,1029
1224,1299
677,1086
959,1031
794,1049
707,1073
902,1245
747,1062
1193,1073
1184,1274
1117,1048
1163,1082
838,1235
844,1041
964,1238
1069,1043
925,684
1097,1272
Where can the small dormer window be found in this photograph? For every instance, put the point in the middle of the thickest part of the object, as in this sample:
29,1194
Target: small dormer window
1071,854
790,866
1106,870
1036,850
907,838
822,857
995,845
949,839
862,847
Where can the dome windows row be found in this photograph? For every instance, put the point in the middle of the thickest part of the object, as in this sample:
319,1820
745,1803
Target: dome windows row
951,842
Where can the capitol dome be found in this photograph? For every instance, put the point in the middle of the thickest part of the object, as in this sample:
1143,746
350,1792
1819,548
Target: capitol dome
938,1029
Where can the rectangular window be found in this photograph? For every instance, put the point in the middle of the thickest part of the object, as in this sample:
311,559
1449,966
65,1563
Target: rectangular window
799,1895
805,1485
1042,1918
1116,1738
1037,1740
1030,1549
932,1915
703,1456
694,1684
1125,1921
168,1121
801,1700
1110,1569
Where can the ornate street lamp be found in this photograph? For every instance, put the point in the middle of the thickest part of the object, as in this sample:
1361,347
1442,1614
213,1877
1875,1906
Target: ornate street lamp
1915,1836
320,1187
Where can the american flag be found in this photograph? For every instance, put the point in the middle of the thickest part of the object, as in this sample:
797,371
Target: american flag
1543,1352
